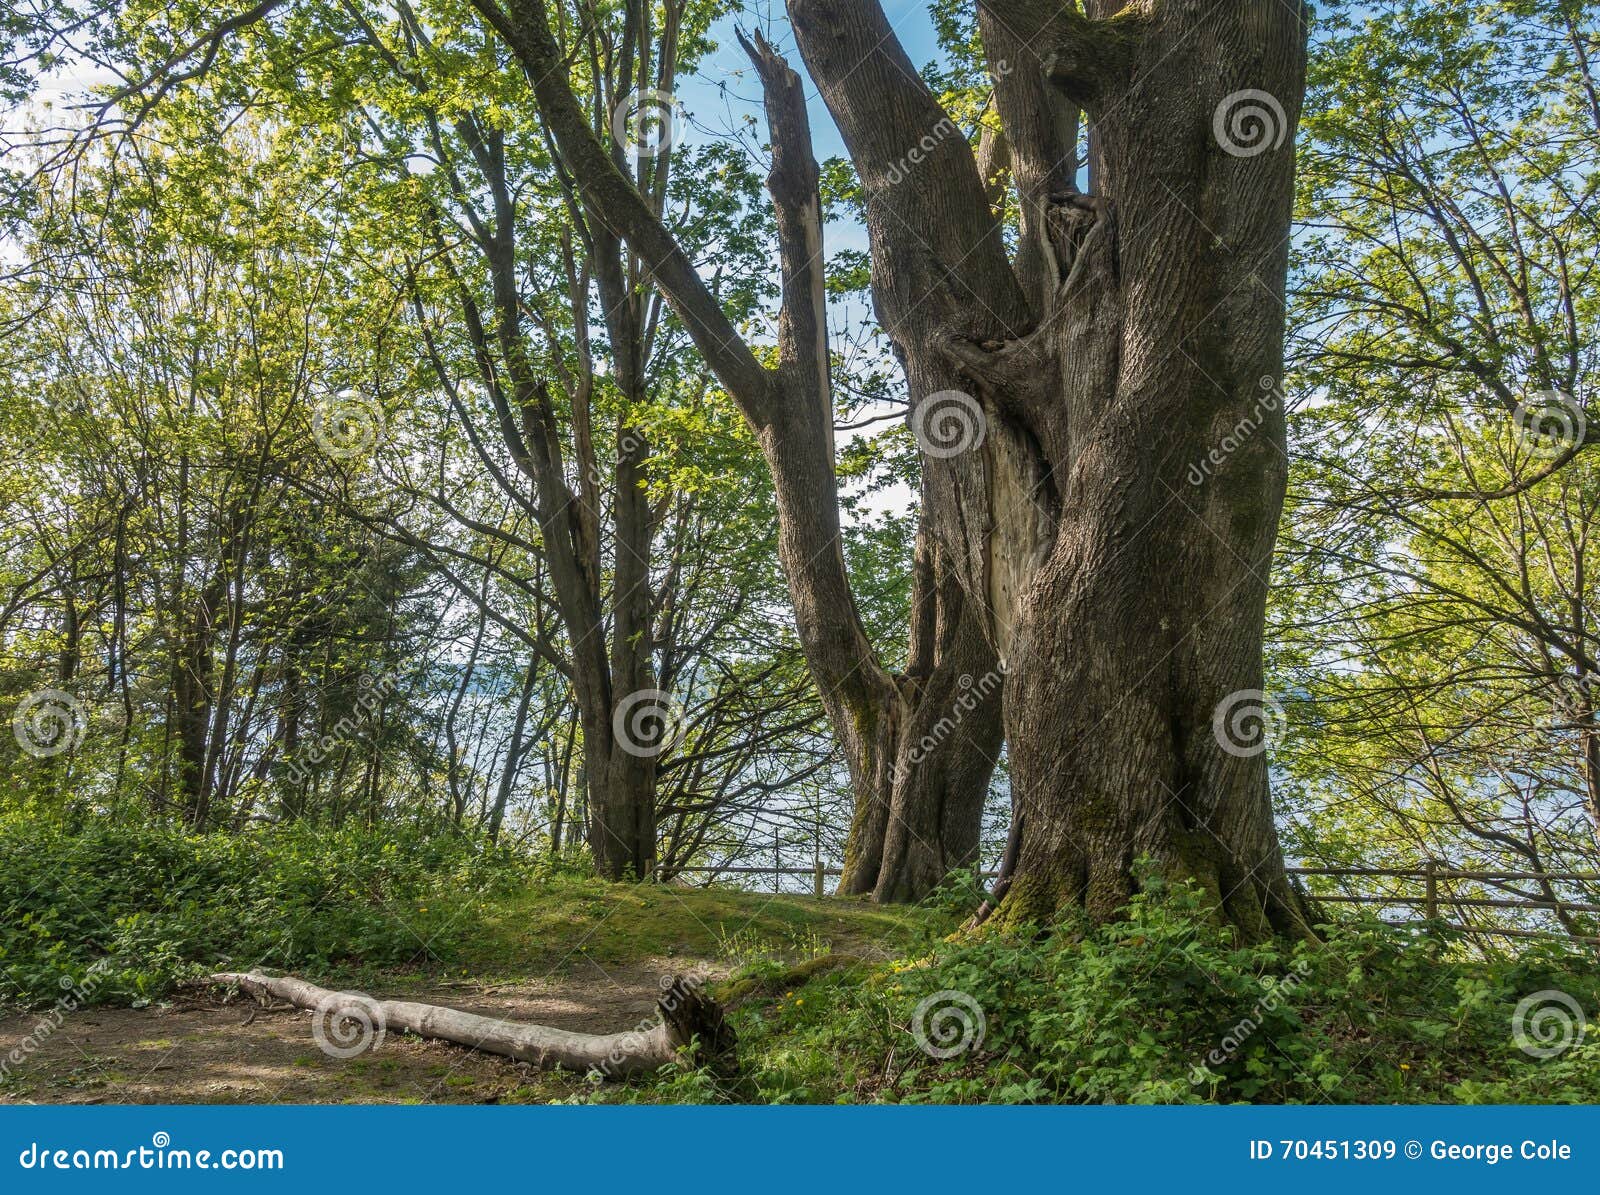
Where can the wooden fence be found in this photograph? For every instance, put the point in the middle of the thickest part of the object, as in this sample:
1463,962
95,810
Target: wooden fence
1438,898
1431,889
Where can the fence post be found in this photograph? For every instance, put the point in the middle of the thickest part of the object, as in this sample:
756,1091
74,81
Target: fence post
816,878
1430,891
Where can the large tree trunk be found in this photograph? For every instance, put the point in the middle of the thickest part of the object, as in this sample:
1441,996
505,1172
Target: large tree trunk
1138,644
1134,331
926,765
622,809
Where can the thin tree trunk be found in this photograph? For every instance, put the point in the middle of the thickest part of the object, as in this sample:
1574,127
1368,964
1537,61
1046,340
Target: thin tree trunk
515,750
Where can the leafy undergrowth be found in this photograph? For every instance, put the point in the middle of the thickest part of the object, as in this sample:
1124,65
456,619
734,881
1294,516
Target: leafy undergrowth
833,1000
121,914
1162,1007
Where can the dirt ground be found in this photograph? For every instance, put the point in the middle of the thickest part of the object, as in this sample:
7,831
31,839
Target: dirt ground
201,1050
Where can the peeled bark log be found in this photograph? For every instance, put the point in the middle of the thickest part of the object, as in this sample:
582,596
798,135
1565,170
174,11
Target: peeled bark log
691,1025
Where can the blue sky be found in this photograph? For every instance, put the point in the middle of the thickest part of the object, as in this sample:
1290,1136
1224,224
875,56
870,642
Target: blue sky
728,65
724,90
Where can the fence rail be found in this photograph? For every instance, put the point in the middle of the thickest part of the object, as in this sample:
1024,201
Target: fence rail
1432,900
1435,898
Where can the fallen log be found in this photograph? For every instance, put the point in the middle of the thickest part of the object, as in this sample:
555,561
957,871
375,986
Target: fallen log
348,1023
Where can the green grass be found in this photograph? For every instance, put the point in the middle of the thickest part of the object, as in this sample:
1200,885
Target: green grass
124,914
563,920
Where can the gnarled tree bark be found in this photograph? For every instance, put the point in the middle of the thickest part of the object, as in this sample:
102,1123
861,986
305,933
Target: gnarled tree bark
1134,328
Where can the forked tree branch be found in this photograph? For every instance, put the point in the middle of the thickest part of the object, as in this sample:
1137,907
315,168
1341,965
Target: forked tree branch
939,259
617,204
1085,56
797,204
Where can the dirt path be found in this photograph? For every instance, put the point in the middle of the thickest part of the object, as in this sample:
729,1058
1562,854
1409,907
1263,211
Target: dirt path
203,1051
